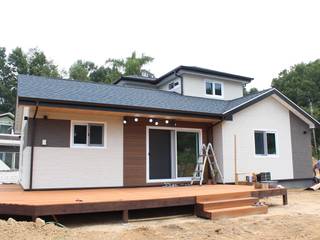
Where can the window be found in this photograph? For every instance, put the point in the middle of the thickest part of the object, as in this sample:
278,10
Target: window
265,143
5,129
9,161
214,88
88,134
173,84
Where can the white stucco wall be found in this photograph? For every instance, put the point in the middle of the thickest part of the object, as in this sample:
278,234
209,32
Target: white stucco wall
195,86
267,114
71,167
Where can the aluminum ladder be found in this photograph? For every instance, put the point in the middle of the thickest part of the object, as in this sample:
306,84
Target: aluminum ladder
203,159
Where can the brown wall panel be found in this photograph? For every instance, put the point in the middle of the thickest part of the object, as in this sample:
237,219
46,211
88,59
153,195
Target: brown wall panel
134,147
56,132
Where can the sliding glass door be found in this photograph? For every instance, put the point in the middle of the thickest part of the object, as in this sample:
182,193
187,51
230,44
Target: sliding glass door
187,153
172,153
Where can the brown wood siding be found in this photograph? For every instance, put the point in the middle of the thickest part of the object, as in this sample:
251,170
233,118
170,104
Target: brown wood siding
134,147
56,132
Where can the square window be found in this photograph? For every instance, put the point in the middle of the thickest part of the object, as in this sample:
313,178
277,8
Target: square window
209,89
265,143
5,129
80,134
218,89
171,85
88,134
96,135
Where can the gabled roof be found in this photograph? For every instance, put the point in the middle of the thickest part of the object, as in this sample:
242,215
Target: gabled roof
78,94
190,69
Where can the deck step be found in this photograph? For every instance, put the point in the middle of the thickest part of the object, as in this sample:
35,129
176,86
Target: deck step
236,211
224,196
227,203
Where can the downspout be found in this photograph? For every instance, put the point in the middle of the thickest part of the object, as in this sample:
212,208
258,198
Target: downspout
181,78
33,135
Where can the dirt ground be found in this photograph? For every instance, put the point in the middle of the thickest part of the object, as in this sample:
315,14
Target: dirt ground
298,220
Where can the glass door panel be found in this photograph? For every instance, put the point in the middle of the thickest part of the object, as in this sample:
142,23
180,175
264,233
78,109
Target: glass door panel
187,153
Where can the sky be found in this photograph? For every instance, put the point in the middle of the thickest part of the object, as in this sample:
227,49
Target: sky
252,38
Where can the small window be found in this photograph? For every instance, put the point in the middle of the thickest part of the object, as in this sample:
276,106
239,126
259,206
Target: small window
5,129
173,85
88,134
265,143
218,89
209,89
10,160
214,88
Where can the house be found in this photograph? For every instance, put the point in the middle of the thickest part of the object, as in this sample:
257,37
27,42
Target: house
142,131
9,149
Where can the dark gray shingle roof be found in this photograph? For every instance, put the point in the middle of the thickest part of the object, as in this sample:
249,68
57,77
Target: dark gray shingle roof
63,90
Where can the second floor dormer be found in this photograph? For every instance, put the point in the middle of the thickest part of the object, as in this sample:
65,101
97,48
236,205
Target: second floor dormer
193,81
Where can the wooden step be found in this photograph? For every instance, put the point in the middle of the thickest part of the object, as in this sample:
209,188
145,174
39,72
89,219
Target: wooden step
236,211
223,196
227,203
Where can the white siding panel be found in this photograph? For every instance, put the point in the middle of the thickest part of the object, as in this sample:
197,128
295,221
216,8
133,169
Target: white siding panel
82,167
267,114
195,86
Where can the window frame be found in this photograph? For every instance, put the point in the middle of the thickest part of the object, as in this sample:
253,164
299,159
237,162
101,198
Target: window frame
265,143
175,86
14,160
213,83
88,145
7,124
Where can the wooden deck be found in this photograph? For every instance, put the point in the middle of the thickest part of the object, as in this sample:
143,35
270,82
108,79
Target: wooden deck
15,201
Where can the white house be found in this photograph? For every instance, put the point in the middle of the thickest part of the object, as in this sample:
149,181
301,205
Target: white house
148,131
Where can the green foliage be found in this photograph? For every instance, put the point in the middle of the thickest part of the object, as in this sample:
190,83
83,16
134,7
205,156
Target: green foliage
81,70
251,91
302,85
39,65
18,62
112,70
7,84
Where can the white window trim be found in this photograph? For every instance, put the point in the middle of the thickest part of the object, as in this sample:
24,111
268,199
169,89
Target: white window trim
277,144
87,146
213,95
176,179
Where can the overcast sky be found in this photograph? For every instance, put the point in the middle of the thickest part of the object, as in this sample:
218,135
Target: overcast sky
251,38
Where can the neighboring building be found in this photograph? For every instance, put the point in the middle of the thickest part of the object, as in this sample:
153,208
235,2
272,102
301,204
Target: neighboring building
148,131
9,149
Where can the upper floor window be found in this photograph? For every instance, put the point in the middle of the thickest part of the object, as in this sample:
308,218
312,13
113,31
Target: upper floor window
173,84
88,134
214,89
6,128
265,143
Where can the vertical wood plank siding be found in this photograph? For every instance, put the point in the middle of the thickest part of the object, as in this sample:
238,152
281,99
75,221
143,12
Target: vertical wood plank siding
134,147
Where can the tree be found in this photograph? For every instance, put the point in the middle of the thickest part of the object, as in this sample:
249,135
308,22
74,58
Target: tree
81,70
7,84
301,83
132,65
251,91
112,70
39,65
19,60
